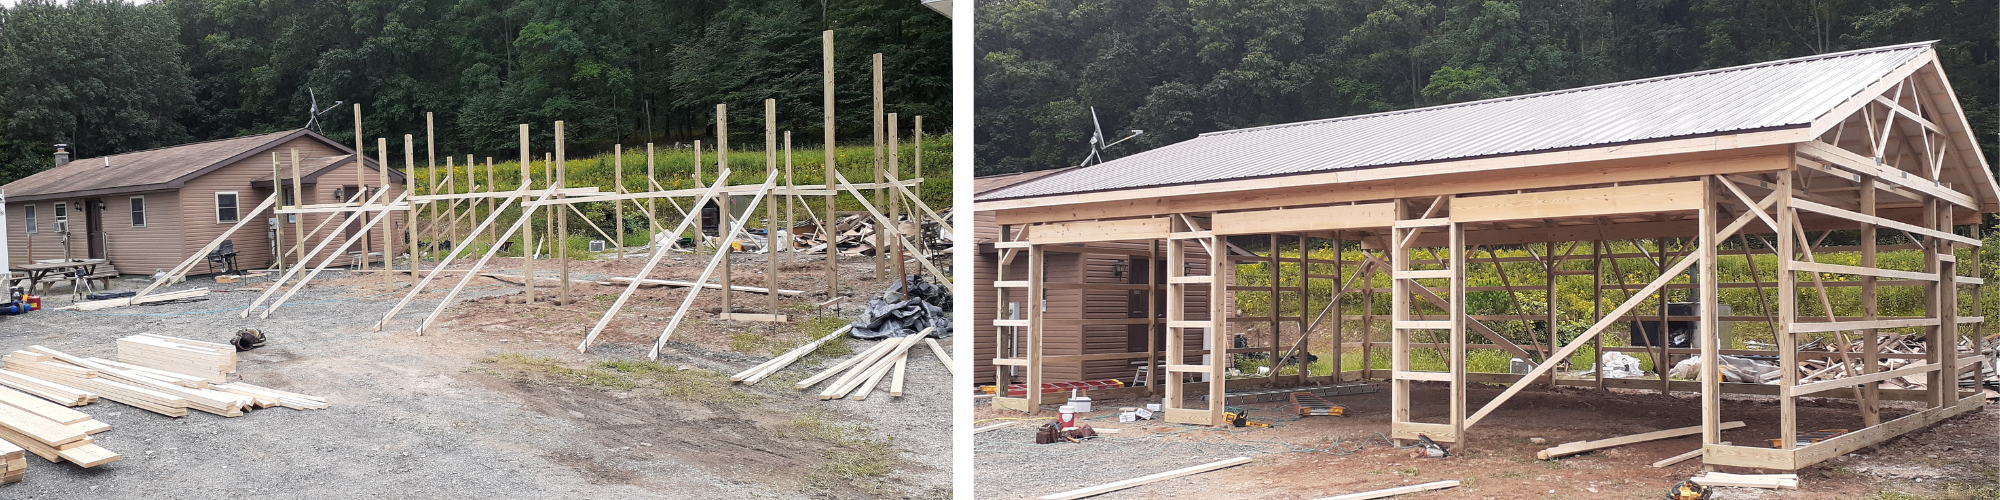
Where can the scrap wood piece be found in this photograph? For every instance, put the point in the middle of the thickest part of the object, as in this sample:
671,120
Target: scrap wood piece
1439,485
126,301
1681,457
765,369
992,427
942,356
839,367
1142,480
1769,481
711,286
1573,448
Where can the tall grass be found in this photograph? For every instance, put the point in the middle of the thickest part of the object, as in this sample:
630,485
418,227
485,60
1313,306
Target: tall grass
675,169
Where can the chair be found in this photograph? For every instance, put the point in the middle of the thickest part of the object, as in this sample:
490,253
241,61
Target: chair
224,255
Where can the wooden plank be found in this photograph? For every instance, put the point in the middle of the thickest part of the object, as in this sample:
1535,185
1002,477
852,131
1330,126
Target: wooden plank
1143,480
1567,449
1642,199
992,427
1372,215
1385,493
1837,326
1883,222
1847,443
43,430
942,356
1816,267
1681,457
1769,481
53,412
1866,166
1410,430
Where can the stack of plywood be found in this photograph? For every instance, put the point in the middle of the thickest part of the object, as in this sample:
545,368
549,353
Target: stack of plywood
13,463
211,361
53,432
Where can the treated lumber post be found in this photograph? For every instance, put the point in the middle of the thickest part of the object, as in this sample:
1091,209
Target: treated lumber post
278,233
770,205
618,205
1871,405
1218,317
1154,290
527,215
1549,271
652,204
1367,320
1710,303
791,196
828,166
1271,264
918,156
895,199
1458,355
361,173
1788,363
562,218
1305,310
881,255
299,198
491,187
1037,286
727,223
410,171
1597,309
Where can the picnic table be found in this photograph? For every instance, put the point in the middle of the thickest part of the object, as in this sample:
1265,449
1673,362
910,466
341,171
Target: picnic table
48,273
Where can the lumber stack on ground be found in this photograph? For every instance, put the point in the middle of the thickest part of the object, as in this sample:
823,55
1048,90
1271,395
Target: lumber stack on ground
52,440
61,394
217,402
208,360
13,463
267,397
759,372
76,420
866,370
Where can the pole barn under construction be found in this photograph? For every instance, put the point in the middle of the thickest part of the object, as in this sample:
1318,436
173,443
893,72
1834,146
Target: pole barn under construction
1139,268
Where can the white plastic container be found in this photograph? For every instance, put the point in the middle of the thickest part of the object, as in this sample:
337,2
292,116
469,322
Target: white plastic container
1065,416
1078,401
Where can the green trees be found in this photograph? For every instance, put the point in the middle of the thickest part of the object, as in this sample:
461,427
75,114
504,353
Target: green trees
1176,68
109,76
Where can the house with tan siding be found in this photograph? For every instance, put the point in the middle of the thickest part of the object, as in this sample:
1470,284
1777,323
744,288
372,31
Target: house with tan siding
148,210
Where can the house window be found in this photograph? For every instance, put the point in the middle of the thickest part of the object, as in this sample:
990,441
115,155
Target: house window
225,207
138,211
62,217
290,198
28,216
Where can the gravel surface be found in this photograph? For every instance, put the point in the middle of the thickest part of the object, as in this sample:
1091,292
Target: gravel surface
412,417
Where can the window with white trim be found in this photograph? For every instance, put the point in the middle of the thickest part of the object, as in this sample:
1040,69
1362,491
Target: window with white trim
138,211
62,217
225,207
28,219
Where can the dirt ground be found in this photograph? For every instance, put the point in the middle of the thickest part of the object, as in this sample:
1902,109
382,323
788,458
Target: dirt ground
496,402
1317,457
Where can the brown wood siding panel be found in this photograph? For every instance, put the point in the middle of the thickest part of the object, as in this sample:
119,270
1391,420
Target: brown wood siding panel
147,249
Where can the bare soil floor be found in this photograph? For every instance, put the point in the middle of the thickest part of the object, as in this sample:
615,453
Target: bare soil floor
1317,457
494,401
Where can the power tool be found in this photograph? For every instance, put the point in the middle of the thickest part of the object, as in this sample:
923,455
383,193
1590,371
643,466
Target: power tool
1236,417
1688,490
1309,404
1426,448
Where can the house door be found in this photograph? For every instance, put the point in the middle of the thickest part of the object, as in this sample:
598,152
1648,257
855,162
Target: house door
93,226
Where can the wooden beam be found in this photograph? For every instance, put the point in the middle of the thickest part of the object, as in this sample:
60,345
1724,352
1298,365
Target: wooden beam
1384,493
1567,449
1641,199
1100,231
1143,480
1372,215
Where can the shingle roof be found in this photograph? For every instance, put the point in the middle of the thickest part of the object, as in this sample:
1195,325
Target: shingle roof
1771,95
148,170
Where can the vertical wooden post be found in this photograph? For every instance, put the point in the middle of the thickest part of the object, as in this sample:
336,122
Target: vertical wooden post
388,233
1788,363
1662,361
299,198
491,232
771,206
618,205
1597,309
918,156
1939,348
724,201
1153,330
561,214
1271,261
1003,296
1457,313
1218,327
895,200
1304,354
698,183
1367,319
826,117
430,157
361,176
652,207
1177,266
881,254
1871,405
278,231
1339,313
1034,308
791,196
528,228
432,211
1710,304
1399,311
1549,271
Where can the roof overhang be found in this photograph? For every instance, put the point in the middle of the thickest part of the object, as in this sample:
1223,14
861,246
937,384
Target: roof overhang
177,183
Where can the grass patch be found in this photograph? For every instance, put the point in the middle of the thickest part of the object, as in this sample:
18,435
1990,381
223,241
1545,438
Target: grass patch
673,383
853,456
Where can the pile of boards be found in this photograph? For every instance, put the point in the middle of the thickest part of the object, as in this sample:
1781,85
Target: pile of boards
39,385
859,375
1818,369
854,235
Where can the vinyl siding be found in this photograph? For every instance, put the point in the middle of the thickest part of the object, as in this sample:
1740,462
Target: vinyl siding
253,242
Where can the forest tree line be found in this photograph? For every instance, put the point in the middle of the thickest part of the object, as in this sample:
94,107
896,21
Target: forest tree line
110,76
1177,68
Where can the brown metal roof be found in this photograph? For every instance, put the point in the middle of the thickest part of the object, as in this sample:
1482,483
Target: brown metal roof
149,170
1764,96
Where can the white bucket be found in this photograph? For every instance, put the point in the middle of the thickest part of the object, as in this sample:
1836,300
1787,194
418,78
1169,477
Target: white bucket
1065,416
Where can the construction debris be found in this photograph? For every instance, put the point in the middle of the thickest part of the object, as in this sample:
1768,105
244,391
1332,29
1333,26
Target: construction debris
1395,491
923,309
1142,480
860,374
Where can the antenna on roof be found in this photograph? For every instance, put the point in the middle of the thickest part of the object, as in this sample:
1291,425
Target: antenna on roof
1097,144
312,116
